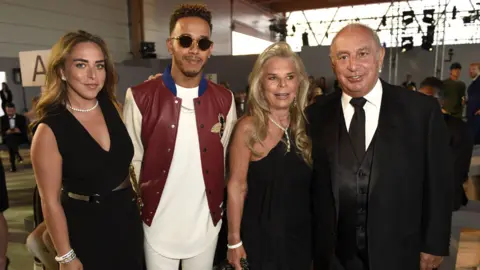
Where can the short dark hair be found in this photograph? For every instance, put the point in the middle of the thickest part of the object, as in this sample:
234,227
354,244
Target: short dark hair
435,83
455,65
191,10
10,105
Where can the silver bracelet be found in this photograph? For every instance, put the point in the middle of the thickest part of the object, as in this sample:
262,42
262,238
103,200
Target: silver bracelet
70,256
235,246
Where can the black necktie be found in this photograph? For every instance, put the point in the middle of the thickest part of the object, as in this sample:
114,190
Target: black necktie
357,127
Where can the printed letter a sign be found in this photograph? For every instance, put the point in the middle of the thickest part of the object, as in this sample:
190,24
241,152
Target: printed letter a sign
33,65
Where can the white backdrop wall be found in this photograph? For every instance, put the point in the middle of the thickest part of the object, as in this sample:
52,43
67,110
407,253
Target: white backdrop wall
27,25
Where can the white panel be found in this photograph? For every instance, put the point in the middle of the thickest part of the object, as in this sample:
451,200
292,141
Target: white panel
36,25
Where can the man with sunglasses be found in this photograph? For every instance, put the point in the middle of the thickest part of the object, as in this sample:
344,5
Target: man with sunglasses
180,124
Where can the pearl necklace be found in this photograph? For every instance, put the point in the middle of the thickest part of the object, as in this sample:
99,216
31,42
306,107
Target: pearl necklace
285,130
83,110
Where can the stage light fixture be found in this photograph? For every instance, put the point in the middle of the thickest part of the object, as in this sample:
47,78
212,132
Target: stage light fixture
427,41
407,44
407,17
428,15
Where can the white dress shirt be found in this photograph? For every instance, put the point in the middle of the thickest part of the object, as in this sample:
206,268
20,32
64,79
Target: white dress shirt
372,111
11,121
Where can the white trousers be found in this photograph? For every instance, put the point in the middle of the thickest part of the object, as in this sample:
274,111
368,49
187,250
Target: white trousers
203,261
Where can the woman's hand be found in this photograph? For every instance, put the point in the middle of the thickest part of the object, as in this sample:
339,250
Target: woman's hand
73,265
234,256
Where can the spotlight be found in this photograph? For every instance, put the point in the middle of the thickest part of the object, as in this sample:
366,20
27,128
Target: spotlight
427,44
407,44
305,39
407,17
384,20
427,41
428,15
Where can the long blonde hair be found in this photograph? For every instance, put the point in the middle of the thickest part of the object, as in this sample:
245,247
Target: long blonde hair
55,90
258,107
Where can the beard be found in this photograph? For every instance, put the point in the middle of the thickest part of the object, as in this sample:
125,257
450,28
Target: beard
188,73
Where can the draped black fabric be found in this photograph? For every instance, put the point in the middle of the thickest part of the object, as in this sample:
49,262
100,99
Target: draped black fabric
276,222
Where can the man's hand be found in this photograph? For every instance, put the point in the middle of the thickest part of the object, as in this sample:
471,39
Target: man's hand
16,130
153,77
429,262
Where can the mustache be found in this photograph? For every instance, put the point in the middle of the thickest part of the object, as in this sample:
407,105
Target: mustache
191,57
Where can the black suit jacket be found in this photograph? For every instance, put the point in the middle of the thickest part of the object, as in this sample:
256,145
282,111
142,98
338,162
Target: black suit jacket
20,123
410,191
461,144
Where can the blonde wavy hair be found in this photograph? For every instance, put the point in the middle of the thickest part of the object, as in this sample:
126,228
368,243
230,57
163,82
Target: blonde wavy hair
54,92
258,107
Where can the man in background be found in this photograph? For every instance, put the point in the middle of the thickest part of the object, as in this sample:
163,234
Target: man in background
461,142
409,84
454,92
473,103
14,133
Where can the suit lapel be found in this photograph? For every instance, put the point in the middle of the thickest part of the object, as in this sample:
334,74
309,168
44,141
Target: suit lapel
332,123
384,135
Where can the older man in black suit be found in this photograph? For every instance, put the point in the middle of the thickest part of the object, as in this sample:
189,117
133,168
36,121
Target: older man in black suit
383,193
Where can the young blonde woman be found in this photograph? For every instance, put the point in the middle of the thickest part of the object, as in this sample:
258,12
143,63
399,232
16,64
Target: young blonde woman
269,214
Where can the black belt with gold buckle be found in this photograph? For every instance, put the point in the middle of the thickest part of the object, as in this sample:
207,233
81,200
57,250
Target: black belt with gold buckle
86,198
95,198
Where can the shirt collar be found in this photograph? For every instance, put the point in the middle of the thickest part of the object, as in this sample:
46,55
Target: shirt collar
476,77
170,83
373,97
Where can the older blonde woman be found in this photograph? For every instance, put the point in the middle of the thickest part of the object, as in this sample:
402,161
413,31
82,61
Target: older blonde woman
270,225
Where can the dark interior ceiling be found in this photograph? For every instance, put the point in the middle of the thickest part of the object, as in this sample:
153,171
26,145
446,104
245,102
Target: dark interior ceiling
295,5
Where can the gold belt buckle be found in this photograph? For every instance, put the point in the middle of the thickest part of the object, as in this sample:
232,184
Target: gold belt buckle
82,197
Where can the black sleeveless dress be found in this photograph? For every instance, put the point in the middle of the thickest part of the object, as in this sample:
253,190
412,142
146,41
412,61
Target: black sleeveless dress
105,233
276,222
3,190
